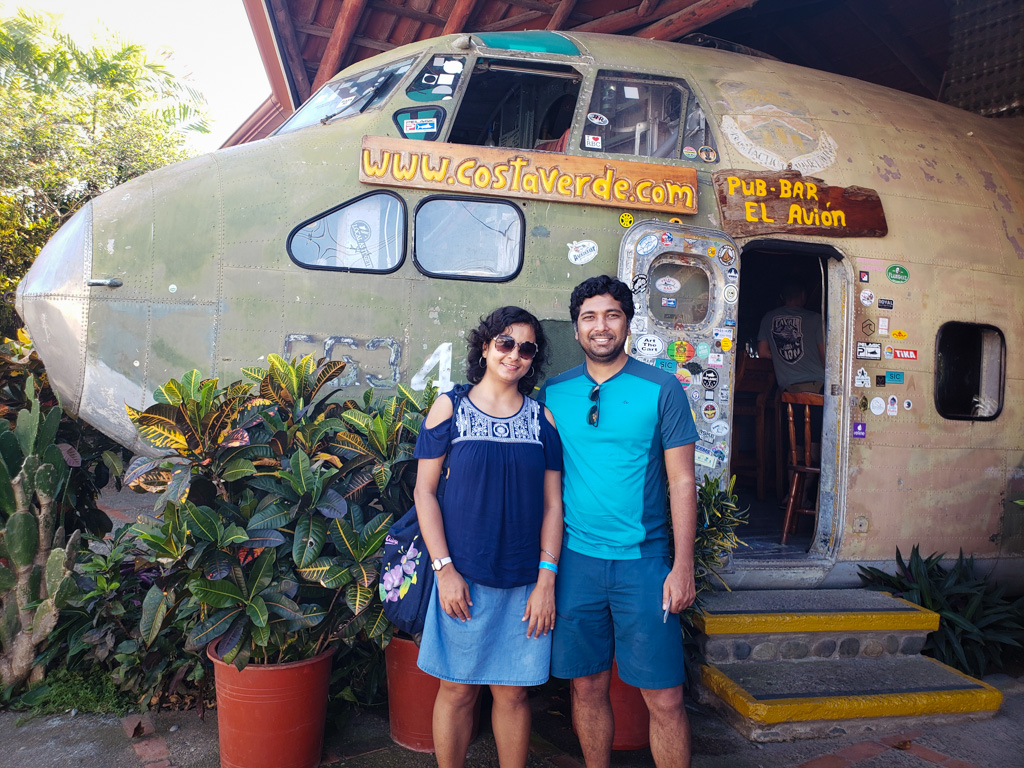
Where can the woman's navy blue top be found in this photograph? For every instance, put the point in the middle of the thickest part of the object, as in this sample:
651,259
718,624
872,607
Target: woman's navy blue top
493,503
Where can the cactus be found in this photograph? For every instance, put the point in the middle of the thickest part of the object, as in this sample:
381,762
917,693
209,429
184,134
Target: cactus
35,562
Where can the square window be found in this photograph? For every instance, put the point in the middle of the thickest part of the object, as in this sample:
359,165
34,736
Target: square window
970,364
468,239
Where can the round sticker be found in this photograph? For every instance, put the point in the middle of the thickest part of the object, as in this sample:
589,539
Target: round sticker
681,351
626,219
647,244
666,238
685,377
689,153
732,274
667,284
649,345
867,298
728,255
907,405
582,251
877,406
709,379
720,428
712,251
707,154
710,412
703,350
731,293
597,118
726,344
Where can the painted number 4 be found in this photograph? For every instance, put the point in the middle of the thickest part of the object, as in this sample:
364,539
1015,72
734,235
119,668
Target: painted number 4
442,358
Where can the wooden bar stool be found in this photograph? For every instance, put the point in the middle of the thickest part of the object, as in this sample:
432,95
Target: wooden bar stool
801,464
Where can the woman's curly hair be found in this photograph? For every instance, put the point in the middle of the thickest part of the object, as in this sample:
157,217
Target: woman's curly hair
494,324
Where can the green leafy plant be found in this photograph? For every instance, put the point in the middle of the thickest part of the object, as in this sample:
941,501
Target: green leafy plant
718,517
976,621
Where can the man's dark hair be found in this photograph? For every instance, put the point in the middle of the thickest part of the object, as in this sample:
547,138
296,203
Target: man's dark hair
494,324
793,290
598,286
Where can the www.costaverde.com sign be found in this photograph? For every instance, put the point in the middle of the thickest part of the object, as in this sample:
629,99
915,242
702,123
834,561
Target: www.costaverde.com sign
508,172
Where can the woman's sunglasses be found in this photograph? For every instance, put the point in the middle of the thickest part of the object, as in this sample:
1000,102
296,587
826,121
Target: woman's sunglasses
505,344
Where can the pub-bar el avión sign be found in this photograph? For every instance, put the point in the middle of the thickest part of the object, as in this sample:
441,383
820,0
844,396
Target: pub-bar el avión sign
509,172
756,203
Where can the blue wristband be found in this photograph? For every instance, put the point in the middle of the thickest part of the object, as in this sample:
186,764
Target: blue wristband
548,566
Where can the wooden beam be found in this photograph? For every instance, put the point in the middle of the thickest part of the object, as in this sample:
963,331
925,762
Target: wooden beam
564,9
511,21
646,8
535,5
376,45
696,16
290,45
622,20
458,17
409,13
341,36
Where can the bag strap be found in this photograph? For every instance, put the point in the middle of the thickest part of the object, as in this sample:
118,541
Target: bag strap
460,391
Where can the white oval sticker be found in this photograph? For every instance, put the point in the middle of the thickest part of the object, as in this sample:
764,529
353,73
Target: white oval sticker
650,345
667,284
877,406
731,293
582,251
720,428
597,118
646,245
867,298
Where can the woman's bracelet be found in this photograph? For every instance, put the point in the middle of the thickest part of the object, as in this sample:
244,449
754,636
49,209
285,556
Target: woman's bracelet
544,564
549,555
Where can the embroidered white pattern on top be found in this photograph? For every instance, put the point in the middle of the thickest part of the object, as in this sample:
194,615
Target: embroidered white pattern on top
474,424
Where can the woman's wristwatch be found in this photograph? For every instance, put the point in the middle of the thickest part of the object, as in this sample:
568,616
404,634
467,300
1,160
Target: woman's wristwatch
440,563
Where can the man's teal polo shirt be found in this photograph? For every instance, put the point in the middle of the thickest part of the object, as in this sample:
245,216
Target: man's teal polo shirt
614,481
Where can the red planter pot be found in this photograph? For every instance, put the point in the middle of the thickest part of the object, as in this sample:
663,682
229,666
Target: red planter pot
272,715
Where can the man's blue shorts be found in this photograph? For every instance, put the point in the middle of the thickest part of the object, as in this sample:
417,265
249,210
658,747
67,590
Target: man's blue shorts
613,607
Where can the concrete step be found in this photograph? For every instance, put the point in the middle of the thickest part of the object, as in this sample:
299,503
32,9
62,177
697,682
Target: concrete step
782,700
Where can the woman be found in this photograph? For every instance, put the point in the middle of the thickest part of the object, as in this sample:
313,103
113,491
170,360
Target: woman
495,545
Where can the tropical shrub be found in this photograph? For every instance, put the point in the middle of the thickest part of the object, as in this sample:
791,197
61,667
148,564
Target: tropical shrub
718,517
977,623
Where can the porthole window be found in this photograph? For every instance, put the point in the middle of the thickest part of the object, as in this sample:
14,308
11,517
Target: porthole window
366,234
679,292
468,238
970,369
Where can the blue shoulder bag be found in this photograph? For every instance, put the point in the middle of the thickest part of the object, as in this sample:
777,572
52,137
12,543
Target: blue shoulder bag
406,577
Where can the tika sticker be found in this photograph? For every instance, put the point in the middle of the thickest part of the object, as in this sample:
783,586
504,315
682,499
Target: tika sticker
591,142
582,251
893,407
867,298
904,354
860,429
716,359
869,350
883,326
649,345
597,118
877,406
646,245
666,284
861,379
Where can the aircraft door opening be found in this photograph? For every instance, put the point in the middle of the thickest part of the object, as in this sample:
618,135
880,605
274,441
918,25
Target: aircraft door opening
790,323
685,291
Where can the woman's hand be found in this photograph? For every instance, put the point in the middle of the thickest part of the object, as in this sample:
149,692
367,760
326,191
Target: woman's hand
453,592
540,609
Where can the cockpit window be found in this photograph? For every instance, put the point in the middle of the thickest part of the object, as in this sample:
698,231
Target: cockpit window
366,234
348,96
522,104
468,238
647,116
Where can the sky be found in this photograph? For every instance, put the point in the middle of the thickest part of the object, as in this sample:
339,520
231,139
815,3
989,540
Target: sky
210,39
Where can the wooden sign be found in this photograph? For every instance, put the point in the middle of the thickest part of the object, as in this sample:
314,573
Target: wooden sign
755,203
506,172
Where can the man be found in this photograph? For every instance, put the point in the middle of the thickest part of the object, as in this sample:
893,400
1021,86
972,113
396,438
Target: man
792,337
626,429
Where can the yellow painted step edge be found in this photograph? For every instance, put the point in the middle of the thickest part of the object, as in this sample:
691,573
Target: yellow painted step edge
983,699
864,621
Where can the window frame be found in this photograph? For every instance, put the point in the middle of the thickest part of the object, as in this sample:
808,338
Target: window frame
980,328
347,204
692,260
469,198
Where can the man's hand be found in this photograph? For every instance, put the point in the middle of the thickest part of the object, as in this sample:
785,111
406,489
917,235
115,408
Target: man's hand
453,592
678,591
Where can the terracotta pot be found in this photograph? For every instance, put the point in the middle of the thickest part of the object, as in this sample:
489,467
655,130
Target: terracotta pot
632,720
272,715
411,694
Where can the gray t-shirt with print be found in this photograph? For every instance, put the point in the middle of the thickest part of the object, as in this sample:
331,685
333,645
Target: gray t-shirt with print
794,333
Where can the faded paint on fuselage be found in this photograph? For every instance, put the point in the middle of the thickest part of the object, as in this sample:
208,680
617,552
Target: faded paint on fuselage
200,247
